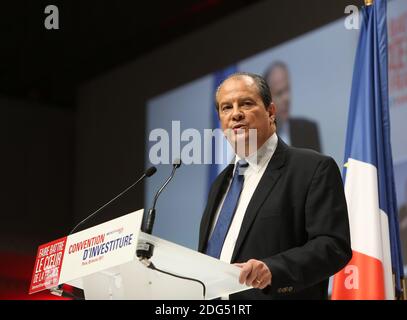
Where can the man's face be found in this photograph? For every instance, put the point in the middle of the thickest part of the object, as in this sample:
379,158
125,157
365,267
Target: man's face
241,108
279,83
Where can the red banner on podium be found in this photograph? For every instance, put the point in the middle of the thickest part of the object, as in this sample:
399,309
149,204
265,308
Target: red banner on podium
47,267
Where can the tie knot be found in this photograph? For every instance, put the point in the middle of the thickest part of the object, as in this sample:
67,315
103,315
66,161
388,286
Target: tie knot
242,163
241,167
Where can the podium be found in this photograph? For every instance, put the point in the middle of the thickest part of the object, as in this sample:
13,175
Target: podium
102,261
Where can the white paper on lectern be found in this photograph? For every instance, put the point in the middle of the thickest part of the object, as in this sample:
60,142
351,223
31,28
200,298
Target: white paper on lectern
75,266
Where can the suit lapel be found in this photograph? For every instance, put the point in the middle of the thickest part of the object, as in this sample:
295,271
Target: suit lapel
218,190
266,184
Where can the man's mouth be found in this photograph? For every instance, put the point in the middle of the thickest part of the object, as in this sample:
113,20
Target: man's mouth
239,126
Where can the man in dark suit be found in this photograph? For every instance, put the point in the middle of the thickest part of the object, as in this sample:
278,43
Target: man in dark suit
279,213
297,132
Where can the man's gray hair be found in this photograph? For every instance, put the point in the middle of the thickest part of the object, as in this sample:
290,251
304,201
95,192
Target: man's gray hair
261,83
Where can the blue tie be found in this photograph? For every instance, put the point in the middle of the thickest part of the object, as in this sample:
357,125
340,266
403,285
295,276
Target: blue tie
218,236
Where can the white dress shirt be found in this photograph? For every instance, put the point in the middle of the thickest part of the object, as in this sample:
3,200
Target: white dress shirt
257,165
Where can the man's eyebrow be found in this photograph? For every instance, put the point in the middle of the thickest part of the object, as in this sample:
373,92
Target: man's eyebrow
221,103
246,98
239,100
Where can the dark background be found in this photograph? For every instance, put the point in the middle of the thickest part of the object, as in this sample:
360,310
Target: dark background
73,100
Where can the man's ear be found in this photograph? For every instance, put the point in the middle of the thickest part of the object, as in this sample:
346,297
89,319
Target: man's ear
272,112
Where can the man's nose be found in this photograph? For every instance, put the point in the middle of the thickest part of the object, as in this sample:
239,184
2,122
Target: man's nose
237,113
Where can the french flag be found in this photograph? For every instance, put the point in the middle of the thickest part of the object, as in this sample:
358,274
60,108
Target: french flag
376,269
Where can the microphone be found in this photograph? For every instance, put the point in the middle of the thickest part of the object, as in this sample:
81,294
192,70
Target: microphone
58,290
148,228
145,250
148,173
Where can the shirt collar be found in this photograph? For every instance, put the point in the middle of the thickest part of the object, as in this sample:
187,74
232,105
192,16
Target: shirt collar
262,156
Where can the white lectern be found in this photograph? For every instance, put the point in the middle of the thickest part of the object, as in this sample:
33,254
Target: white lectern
102,261
133,280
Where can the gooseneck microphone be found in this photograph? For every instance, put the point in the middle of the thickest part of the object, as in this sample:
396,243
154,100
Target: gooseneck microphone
148,227
145,250
58,290
148,173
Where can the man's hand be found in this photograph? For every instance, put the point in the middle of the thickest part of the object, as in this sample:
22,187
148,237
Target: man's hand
255,273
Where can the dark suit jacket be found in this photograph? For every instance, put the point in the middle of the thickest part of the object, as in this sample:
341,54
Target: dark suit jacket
304,134
296,222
